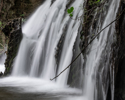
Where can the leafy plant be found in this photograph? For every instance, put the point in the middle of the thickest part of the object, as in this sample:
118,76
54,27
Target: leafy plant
94,2
70,11
22,15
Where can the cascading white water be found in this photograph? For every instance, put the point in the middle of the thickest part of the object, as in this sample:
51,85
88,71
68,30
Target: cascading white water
36,55
2,61
96,50
41,35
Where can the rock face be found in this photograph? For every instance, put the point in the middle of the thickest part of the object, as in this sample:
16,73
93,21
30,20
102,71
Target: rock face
10,9
14,33
1,74
117,58
76,77
13,46
120,55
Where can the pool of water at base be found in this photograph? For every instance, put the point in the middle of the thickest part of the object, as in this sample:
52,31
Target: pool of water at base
7,93
13,88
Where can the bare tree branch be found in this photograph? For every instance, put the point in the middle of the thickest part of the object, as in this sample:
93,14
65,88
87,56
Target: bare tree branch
88,45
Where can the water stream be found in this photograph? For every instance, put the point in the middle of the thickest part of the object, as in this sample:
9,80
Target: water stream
35,63
2,60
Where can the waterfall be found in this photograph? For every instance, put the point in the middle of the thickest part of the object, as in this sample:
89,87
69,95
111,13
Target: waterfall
36,59
2,60
97,65
41,35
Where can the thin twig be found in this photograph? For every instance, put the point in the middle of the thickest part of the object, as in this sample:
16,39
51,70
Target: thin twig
88,45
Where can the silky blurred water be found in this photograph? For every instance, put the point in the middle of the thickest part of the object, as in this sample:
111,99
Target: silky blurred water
35,63
25,88
2,61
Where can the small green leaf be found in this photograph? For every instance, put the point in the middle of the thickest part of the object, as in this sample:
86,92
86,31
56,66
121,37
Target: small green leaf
22,15
71,9
71,15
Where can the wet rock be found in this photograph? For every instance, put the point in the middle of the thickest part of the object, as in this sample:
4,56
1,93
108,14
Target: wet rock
60,47
1,74
13,45
16,8
52,1
119,55
14,32
76,77
11,26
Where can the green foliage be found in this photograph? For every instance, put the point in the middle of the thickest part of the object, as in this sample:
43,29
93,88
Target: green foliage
70,11
71,15
94,2
22,15
97,1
